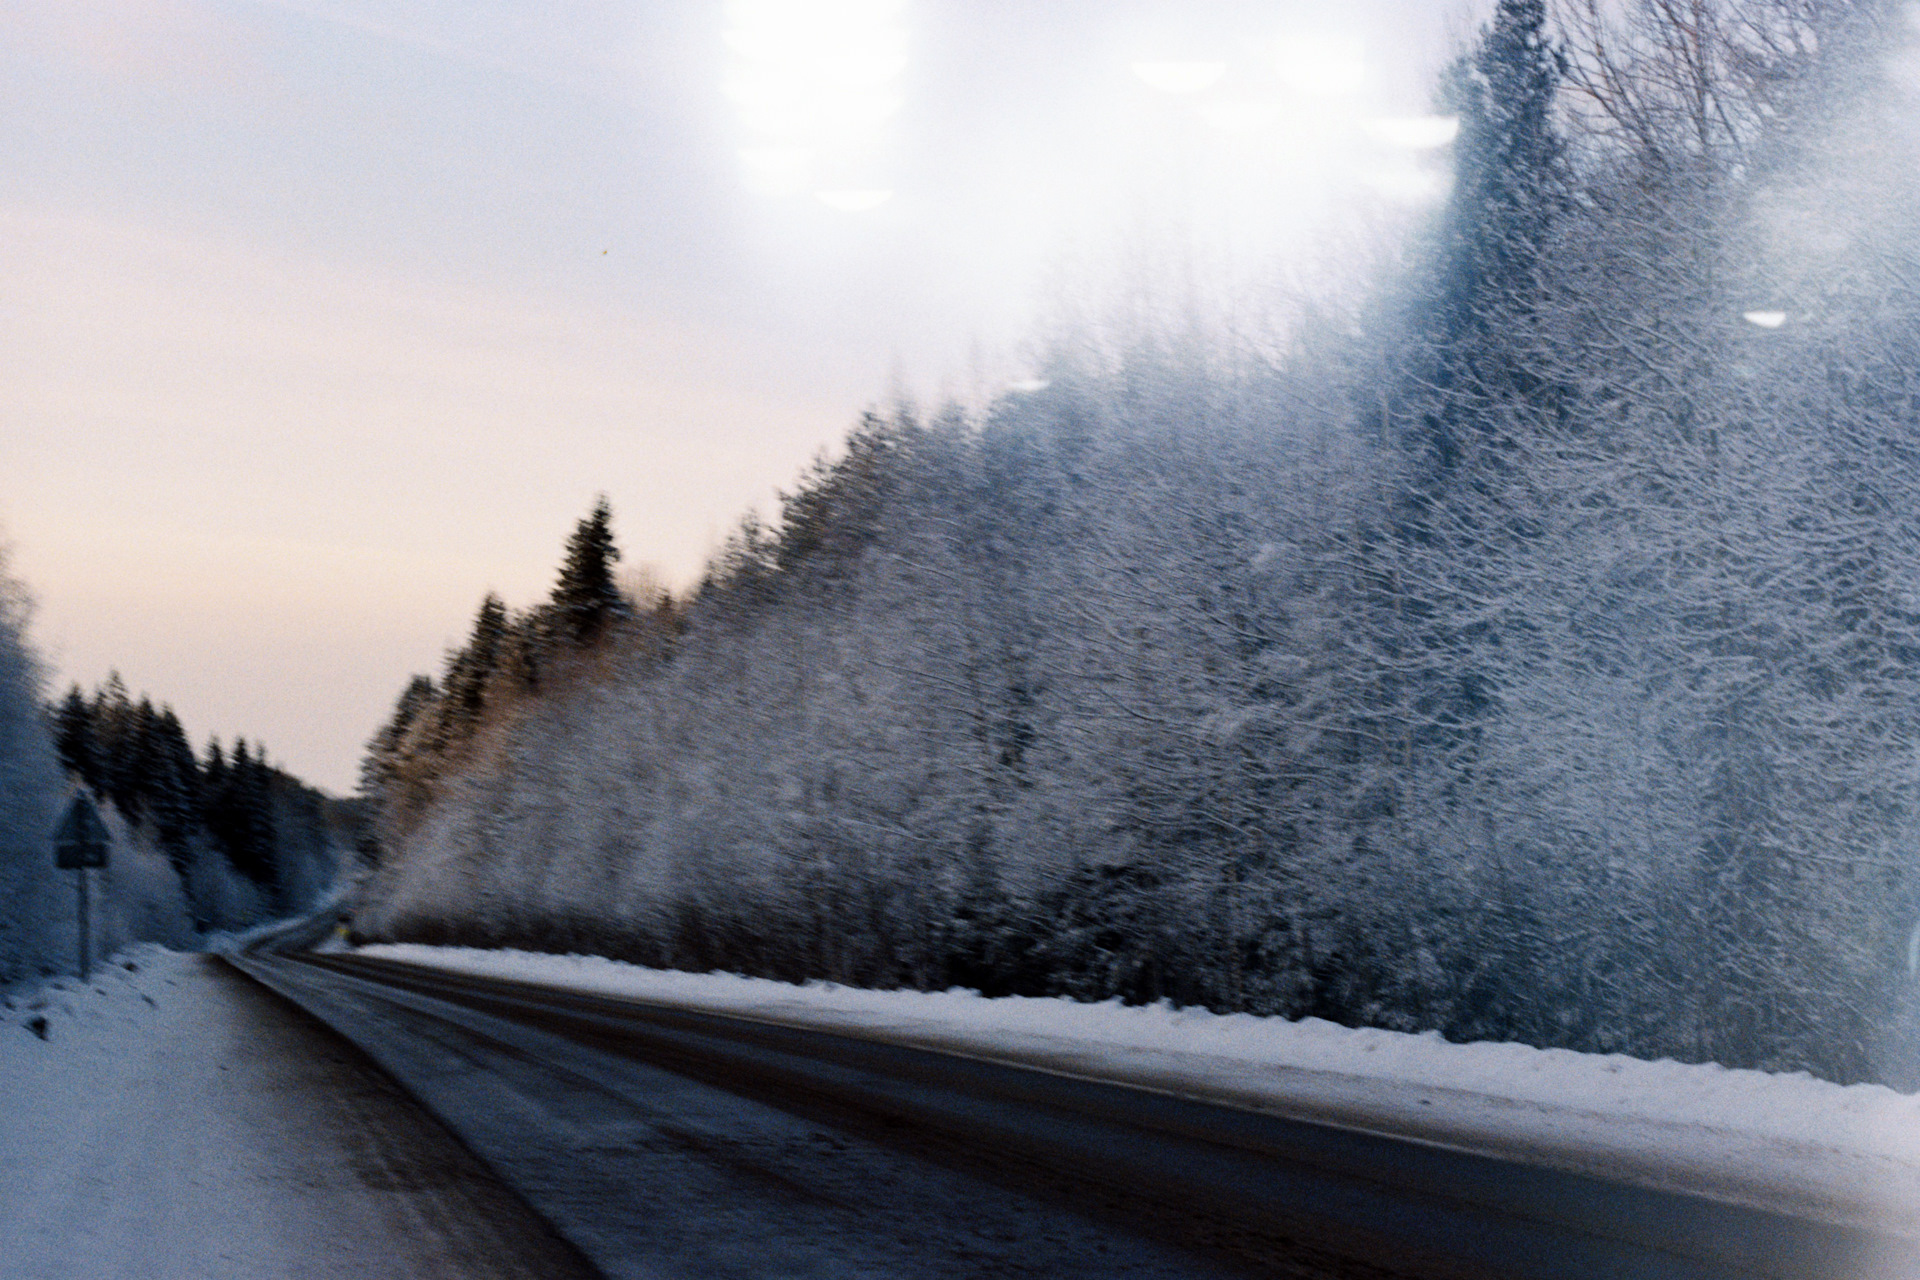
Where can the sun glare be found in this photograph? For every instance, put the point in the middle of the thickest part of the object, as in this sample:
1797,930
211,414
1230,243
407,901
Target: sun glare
1243,116
1244,141
854,200
1180,77
1408,185
1253,142
1416,133
813,84
1322,67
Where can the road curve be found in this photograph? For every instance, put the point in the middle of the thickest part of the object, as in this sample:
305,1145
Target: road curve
1190,1188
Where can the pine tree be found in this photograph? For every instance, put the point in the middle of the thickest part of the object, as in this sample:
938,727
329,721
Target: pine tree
175,789
74,738
217,797
1510,171
113,725
240,814
1511,183
257,814
520,650
470,673
139,761
385,753
1477,406
586,601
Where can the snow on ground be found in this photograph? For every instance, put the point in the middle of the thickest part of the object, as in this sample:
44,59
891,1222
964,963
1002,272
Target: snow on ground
1789,1142
168,1120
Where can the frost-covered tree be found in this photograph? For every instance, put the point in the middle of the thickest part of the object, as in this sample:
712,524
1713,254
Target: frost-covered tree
1530,657
29,792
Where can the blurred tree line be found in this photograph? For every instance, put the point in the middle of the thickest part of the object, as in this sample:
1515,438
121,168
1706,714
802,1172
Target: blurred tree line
229,811
203,843
1526,650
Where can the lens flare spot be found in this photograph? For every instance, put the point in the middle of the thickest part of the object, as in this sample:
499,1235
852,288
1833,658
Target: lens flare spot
854,199
777,169
1180,77
817,76
1240,117
1765,319
1408,186
1322,67
1416,133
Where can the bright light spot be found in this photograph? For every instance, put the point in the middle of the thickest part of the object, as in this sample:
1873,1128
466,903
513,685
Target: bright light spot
777,170
1027,386
812,76
843,120
1765,319
776,160
1408,186
1181,77
805,15
857,200
855,59
1240,117
1416,133
1323,67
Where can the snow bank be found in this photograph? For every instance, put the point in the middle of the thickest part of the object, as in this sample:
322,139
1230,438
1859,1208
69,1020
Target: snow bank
1790,1142
69,1053
89,1019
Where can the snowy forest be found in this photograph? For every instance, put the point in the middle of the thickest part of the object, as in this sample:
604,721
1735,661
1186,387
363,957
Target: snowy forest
198,845
1524,648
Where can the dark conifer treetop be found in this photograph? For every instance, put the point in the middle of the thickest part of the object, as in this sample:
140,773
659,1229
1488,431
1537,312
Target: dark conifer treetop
470,671
586,600
1510,184
1510,160
137,757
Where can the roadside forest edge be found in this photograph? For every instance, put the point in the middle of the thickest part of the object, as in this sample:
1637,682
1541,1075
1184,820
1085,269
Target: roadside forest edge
1526,651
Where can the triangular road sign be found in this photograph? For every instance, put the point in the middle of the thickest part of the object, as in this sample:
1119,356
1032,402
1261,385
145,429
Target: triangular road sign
81,839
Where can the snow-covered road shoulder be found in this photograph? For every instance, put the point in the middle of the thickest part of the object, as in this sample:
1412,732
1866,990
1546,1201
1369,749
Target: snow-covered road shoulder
1785,1142
169,1120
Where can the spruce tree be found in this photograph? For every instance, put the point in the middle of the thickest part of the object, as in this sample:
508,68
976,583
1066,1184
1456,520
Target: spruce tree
175,790
240,814
73,737
388,757
520,650
470,672
216,797
258,818
139,761
586,601
1510,178
1511,183
113,732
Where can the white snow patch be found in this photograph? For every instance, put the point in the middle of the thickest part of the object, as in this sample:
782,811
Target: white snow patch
1791,1142
161,1125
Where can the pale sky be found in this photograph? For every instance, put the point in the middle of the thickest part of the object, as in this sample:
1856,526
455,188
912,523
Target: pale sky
321,318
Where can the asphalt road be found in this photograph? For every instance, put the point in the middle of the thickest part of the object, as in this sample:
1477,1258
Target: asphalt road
665,1142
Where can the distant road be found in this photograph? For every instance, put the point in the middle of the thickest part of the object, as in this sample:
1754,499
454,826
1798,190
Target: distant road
665,1142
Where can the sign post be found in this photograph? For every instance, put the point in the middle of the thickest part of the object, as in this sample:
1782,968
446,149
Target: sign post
80,844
